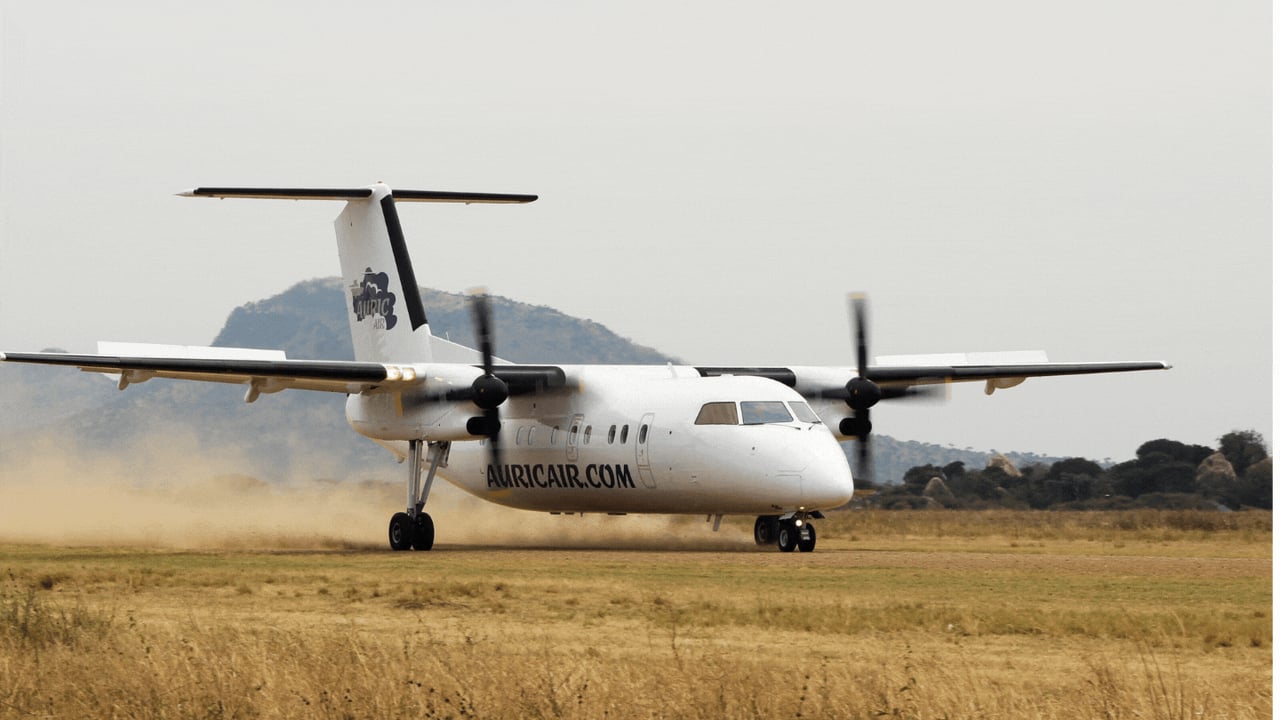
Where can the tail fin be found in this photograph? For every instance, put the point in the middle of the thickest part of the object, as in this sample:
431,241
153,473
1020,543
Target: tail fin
384,309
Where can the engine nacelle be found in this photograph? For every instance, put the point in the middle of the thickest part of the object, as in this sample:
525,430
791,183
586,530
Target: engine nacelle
428,410
397,416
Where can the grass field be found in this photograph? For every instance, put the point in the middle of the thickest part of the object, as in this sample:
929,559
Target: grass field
911,615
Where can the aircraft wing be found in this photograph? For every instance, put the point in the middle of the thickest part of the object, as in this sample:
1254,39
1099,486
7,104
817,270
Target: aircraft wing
996,375
272,375
344,377
896,375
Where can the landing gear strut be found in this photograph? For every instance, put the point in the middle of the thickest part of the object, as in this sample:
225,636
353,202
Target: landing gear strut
790,532
414,528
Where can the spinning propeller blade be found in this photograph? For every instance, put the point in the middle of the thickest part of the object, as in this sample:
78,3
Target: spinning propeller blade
489,391
863,393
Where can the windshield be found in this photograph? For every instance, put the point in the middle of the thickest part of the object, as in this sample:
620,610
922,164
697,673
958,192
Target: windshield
717,413
759,412
804,413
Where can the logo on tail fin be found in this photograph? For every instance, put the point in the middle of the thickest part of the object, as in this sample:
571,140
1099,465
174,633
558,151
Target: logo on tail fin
370,299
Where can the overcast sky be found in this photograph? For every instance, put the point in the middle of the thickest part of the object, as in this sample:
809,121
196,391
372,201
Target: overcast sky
1092,179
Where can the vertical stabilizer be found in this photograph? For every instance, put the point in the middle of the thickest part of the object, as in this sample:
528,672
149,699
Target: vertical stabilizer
384,305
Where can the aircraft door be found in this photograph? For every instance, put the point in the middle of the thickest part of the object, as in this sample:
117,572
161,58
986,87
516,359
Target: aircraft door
571,445
642,451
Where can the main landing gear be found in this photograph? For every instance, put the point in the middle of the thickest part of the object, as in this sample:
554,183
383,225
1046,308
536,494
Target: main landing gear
790,532
413,528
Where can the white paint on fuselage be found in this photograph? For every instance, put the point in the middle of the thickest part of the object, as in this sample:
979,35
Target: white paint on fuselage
680,467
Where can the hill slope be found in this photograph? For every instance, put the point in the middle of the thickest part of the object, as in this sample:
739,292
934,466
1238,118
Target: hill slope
308,323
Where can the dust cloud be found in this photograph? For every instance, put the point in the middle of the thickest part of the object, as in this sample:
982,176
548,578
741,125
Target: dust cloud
171,492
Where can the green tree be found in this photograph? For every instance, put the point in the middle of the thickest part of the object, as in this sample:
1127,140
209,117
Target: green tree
919,476
1242,449
978,485
1161,466
1069,480
1175,450
1075,466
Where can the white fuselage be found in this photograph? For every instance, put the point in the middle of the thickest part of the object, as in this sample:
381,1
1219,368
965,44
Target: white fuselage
626,439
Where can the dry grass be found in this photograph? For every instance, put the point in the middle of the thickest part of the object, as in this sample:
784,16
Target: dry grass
1250,530
922,615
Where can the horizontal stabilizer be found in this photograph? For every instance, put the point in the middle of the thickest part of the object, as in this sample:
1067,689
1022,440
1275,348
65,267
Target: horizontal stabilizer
439,196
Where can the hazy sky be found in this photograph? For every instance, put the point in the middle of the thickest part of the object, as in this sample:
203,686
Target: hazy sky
1089,178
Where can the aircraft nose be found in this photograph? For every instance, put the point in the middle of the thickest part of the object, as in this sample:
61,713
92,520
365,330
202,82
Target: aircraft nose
827,481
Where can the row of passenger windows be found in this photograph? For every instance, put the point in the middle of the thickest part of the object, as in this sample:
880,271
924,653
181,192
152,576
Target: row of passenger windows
529,435
755,412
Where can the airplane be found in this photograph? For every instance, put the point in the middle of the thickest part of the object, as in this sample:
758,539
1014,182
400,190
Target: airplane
565,439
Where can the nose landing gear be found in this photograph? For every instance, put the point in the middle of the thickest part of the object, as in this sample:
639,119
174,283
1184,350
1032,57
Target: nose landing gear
790,532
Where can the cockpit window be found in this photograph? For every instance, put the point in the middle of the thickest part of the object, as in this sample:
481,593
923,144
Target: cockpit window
803,412
759,412
717,413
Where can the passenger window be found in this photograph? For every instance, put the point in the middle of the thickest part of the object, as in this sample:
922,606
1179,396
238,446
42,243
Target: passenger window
573,435
554,430
532,431
717,413
520,435
623,439
644,433
586,435
803,412
613,431
762,412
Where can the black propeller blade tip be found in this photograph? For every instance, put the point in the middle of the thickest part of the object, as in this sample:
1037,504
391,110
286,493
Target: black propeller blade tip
858,313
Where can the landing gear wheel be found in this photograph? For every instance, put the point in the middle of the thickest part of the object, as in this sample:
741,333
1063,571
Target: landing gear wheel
807,545
788,535
766,530
424,532
400,531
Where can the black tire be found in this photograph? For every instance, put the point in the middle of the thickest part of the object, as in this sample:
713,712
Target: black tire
400,531
766,532
788,534
424,532
812,542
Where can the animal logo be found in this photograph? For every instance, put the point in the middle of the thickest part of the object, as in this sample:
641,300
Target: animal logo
370,299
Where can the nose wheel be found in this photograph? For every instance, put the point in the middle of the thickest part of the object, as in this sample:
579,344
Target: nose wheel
808,539
789,533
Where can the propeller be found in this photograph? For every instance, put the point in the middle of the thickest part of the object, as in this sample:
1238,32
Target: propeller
862,392
488,391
